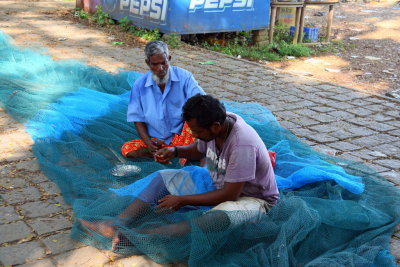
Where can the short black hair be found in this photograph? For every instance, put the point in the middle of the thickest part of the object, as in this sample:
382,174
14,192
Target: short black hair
206,109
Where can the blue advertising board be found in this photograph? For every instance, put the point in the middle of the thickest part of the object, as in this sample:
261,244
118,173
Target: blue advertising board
192,16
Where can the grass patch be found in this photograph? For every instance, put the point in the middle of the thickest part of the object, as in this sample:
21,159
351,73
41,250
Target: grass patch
172,40
104,19
270,52
278,50
101,17
335,47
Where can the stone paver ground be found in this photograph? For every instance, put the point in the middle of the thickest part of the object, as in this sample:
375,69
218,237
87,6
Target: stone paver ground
35,222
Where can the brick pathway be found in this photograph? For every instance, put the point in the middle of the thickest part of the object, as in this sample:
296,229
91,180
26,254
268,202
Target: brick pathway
35,222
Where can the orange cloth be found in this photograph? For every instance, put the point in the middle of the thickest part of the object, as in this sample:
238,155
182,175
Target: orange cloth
272,156
186,138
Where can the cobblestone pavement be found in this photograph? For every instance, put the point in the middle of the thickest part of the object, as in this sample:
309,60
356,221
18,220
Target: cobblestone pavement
35,222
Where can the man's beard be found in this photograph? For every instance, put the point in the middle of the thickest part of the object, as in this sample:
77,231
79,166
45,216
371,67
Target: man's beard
164,80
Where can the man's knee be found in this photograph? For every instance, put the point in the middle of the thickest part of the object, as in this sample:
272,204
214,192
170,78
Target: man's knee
135,149
244,210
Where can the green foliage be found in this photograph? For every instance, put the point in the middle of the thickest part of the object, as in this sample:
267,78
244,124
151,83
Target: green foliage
151,35
172,41
136,31
125,23
270,52
246,34
349,46
338,43
297,50
282,34
325,48
335,46
101,17
81,13
240,45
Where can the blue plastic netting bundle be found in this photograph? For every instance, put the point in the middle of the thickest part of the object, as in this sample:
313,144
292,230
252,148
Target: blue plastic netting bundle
332,212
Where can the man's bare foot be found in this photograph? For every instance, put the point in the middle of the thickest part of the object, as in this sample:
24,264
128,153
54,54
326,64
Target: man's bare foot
142,152
104,228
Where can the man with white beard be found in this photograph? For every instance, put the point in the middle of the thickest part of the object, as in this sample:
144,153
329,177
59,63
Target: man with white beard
156,102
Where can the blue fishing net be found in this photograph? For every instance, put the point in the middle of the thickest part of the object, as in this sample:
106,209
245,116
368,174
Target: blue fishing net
332,212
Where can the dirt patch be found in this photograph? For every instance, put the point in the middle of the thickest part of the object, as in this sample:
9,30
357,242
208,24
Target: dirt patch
369,34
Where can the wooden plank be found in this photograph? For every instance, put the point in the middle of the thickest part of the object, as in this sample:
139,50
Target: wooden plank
288,4
321,2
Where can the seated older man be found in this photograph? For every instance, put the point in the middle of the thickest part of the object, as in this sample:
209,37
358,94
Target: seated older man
156,102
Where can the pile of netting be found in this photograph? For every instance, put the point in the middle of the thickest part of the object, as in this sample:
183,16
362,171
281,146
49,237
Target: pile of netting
331,212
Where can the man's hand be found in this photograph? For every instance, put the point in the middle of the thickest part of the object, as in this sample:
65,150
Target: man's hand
171,202
153,145
164,155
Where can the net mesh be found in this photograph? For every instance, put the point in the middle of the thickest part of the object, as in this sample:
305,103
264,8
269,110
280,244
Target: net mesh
332,212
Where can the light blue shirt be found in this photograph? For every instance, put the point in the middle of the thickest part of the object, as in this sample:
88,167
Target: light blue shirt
162,112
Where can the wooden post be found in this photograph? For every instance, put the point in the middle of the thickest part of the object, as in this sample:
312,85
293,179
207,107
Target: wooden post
303,11
296,25
79,4
328,27
272,23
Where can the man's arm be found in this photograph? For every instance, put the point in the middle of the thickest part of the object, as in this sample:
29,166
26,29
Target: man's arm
141,128
164,155
192,87
136,115
230,192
